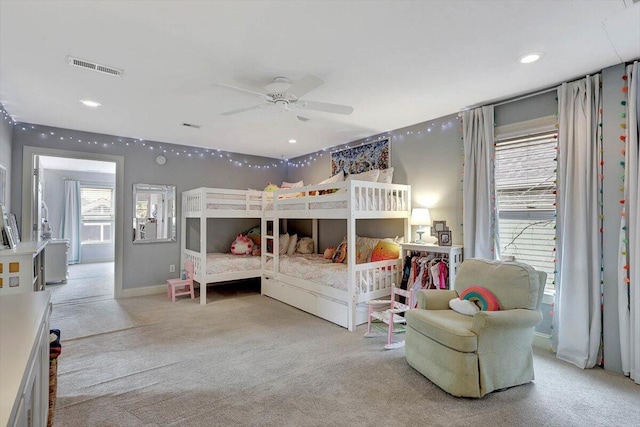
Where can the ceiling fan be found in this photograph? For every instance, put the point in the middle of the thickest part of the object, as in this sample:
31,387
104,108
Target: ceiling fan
282,93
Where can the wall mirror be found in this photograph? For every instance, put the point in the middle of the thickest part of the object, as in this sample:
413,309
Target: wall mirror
154,213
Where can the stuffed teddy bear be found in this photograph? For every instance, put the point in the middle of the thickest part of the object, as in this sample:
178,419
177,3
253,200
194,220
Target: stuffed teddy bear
242,245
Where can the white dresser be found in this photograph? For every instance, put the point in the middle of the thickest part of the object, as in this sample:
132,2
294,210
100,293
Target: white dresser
57,269
24,359
22,269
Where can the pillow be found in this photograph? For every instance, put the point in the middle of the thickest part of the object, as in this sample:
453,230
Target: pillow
254,234
385,249
364,247
286,184
339,177
284,244
329,252
371,176
482,297
463,306
293,239
242,245
305,245
385,175
341,253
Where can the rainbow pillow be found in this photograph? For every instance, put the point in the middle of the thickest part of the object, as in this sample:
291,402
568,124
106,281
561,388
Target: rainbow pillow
482,297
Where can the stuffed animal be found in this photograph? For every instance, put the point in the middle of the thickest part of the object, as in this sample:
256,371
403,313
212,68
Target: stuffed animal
242,245
271,187
329,252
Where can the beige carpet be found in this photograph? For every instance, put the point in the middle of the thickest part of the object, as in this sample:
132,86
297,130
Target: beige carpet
245,359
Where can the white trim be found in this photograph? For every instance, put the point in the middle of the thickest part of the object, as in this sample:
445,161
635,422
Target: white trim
541,341
526,128
548,298
147,290
28,154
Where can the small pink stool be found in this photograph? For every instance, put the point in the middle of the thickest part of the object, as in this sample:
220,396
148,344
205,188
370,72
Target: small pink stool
177,287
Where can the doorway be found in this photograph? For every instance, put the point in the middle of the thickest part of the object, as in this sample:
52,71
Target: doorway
99,230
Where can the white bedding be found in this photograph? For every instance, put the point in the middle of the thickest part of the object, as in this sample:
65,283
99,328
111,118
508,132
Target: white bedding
314,268
226,263
372,205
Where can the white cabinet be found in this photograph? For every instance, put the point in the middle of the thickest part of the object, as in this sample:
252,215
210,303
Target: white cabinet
24,361
453,253
22,269
56,261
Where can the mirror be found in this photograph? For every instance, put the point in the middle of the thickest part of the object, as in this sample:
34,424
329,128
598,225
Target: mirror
154,213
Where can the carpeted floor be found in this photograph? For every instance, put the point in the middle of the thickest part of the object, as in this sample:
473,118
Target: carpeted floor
245,359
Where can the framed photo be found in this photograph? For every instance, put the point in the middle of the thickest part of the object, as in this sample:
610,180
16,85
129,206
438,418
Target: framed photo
444,238
13,223
438,226
11,240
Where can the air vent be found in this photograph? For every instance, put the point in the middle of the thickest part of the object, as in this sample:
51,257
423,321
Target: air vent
189,125
88,65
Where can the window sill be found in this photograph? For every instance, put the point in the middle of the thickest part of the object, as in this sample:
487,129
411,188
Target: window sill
548,298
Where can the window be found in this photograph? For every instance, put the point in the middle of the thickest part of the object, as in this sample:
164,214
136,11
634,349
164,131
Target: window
97,214
525,180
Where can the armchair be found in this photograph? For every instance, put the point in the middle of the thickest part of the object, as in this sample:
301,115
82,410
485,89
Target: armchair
474,355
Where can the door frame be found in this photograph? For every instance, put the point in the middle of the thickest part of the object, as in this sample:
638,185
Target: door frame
28,155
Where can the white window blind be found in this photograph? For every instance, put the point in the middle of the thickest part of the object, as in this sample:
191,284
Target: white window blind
525,180
97,214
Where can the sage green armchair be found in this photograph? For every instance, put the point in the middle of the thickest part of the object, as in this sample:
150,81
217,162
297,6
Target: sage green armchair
474,355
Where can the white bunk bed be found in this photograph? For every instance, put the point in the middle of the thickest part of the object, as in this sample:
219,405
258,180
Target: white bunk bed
203,203
353,200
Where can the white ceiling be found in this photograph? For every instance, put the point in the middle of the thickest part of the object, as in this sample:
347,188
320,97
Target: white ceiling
396,62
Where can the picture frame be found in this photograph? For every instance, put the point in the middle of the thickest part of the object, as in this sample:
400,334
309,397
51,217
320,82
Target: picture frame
10,236
438,226
444,238
13,223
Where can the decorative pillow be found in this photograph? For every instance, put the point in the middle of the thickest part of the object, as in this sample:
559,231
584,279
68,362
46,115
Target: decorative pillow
385,175
482,297
284,244
305,245
329,252
371,176
364,247
253,234
293,240
271,187
242,245
286,184
341,253
463,306
339,177
385,249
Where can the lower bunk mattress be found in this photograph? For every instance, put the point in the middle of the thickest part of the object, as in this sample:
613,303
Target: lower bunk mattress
219,263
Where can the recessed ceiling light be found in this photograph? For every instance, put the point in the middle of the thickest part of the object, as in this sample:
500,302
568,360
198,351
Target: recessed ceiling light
90,103
529,58
292,141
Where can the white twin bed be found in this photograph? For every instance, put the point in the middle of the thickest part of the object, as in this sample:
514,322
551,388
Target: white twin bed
332,291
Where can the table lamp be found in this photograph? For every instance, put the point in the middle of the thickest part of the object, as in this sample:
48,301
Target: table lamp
421,218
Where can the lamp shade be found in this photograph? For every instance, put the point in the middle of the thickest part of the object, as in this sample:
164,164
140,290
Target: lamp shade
420,216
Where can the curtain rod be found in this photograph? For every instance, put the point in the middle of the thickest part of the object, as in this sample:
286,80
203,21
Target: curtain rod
526,96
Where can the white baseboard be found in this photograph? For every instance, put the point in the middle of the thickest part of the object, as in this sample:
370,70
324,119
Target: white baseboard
147,290
542,340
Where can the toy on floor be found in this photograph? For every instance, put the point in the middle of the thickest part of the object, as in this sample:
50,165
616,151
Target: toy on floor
384,315
181,286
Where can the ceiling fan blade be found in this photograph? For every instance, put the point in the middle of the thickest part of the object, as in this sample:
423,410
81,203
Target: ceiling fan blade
240,89
242,110
326,107
305,85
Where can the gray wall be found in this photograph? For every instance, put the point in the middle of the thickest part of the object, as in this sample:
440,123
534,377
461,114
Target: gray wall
6,136
53,196
431,161
148,264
